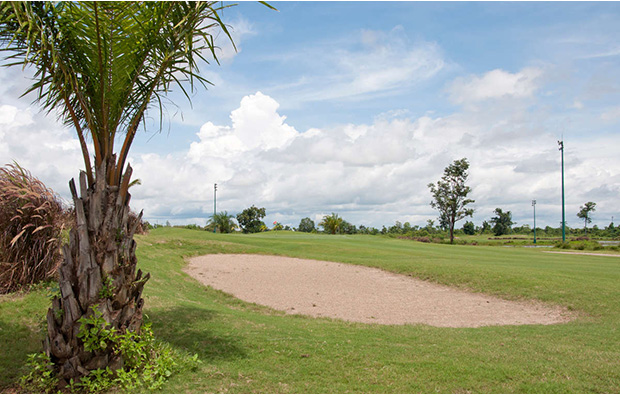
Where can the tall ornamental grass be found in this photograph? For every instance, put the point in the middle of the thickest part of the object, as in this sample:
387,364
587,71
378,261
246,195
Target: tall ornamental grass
32,218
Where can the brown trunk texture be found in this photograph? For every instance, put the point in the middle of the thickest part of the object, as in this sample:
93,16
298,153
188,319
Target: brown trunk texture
101,250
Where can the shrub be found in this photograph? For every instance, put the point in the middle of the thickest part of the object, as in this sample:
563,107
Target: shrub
147,364
31,222
561,244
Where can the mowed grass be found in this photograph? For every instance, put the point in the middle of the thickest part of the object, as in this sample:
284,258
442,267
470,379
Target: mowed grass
248,348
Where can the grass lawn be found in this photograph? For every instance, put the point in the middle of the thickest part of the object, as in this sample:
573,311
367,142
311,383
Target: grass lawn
248,348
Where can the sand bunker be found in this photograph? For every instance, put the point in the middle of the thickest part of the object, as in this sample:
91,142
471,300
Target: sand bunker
360,294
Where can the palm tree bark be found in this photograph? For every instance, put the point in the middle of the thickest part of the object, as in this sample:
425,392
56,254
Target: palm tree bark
101,251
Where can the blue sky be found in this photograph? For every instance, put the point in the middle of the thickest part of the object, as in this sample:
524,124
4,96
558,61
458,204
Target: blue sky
354,107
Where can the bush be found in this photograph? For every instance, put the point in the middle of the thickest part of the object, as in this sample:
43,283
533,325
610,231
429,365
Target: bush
561,244
31,222
147,364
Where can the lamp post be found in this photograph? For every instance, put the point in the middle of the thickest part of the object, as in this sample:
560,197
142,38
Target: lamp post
214,207
561,144
534,205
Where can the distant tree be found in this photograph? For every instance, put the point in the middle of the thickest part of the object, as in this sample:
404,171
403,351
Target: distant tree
250,219
502,222
347,228
522,230
612,231
549,231
397,228
486,227
278,226
584,213
331,223
450,195
407,227
444,222
367,230
430,226
469,228
306,225
223,222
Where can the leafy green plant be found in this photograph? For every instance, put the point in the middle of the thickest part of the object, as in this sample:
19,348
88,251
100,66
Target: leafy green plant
97,381
107,289
146,363
41,377
95,332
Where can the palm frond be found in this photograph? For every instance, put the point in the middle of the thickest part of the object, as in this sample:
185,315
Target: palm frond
104,64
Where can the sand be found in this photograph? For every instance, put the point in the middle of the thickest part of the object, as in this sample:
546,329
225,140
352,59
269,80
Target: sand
360,294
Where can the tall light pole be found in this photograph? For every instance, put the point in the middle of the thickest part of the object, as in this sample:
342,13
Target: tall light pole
561,144
214,207
534,205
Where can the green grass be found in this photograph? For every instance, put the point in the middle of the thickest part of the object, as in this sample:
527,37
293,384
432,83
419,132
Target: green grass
248,348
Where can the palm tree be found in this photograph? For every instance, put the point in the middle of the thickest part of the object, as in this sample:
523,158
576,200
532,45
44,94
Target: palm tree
331,223
223,222
100,66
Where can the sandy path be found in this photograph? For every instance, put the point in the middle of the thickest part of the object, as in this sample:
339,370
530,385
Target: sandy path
581,253
358,293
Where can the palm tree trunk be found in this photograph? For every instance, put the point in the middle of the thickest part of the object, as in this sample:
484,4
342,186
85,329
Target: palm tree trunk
98,272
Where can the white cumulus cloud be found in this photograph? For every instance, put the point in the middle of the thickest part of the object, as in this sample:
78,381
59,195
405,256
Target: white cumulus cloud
371,174
495,84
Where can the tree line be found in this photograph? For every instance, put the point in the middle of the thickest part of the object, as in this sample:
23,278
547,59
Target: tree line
450,199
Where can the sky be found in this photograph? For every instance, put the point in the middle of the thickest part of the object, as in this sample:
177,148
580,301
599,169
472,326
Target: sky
355,107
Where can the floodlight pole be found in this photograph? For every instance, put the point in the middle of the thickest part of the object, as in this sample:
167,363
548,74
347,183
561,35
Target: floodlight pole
534,205
561,144
214,207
